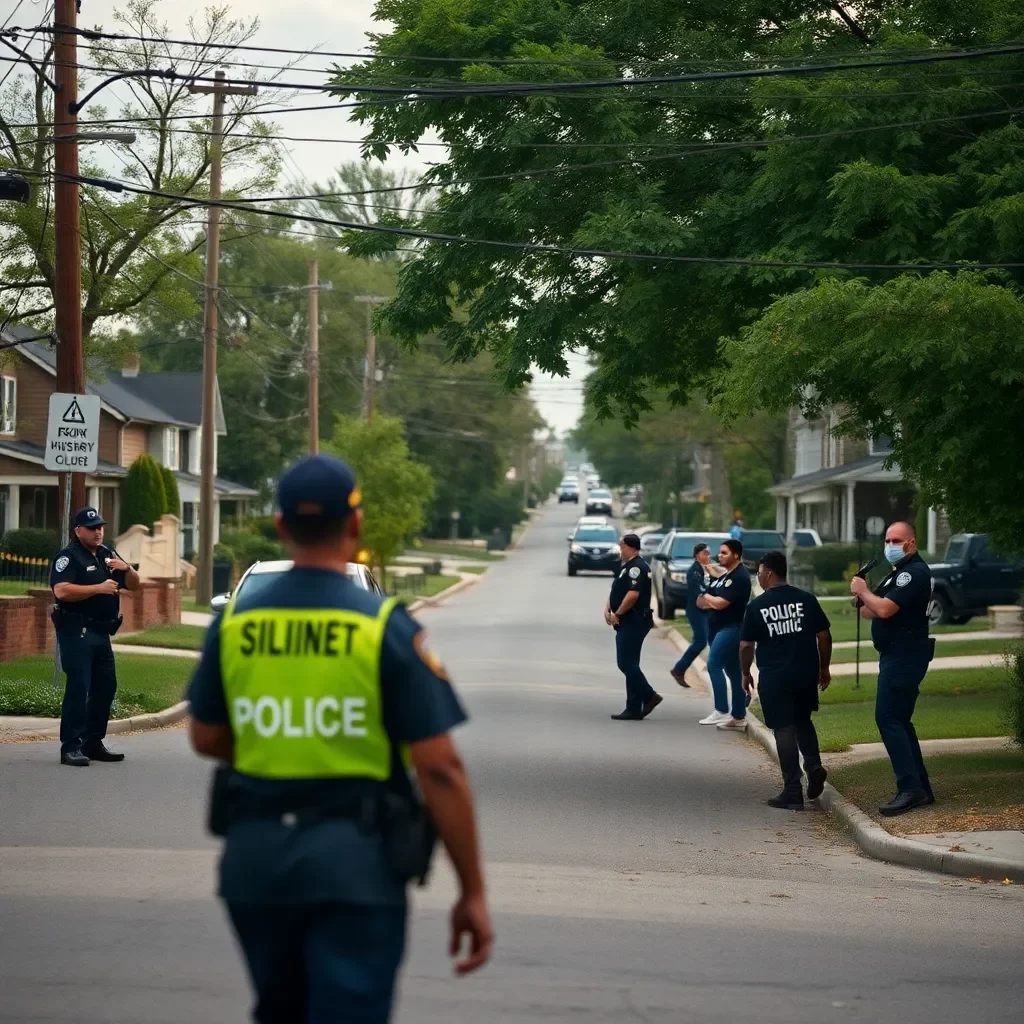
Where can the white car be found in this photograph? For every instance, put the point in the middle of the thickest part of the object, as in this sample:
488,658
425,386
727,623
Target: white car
631,509
807,538
259,574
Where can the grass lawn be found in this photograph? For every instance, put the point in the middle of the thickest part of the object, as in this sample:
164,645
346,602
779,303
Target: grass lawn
478,569
954,703
188,602
975,792
19,588
949,649
456,551
186,638
146,683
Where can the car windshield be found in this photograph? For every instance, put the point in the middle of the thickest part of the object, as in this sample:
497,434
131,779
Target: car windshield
600,494
651,540
592,534
955,549
682,547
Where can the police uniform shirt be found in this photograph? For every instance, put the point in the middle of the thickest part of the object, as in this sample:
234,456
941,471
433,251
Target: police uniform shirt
734,586
697,582
909,585
634,575
333,859
77,564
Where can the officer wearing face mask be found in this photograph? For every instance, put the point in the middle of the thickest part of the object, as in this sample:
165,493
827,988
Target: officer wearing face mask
898,611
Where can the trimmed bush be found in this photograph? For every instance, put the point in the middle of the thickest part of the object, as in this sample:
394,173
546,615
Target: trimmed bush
831,562
248,546
172,500
143,499
30,543
1015,692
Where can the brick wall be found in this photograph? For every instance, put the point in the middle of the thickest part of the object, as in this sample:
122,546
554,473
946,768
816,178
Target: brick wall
25,626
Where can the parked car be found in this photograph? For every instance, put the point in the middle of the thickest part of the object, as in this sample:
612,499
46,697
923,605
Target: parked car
599,500
593,480
759,542
970,578
807,539
569,492
594,549
259,574
670,564
631,509
650,542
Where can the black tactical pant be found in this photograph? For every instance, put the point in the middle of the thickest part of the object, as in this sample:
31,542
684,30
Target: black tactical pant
88,663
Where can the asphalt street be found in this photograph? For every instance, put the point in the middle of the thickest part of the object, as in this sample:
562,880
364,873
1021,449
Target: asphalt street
634,871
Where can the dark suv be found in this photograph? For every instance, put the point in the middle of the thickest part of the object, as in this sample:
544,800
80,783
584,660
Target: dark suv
594,549
970,578
757,543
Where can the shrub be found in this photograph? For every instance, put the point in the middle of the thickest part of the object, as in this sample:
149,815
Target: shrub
37,698
1015,692
143,499
30,543
831,562
248,546
172,500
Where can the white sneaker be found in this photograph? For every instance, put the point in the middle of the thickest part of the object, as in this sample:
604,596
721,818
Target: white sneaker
715,717
733,724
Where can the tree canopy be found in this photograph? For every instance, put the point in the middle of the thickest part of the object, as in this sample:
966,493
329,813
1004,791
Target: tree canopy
871,169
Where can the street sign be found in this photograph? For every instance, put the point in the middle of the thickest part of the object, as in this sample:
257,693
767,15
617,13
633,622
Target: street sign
875,526
73,434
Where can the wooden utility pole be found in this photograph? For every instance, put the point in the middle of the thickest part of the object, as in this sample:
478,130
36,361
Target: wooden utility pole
204,577
313,354
68,284
370,383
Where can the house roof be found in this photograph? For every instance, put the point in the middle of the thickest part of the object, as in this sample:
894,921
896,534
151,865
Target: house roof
856,470
226,488
162,397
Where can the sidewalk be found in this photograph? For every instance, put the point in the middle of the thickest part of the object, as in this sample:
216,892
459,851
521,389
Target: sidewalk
982,634
849,668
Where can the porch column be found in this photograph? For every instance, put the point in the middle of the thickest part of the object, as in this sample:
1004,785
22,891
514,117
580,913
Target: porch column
780,514
92,497
13,506
790,519
933,530
849,521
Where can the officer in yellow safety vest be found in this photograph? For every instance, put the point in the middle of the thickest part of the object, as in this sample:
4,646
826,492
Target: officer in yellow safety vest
315,695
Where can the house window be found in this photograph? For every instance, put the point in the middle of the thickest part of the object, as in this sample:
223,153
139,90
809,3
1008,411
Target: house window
8,404
171,461
880,444
809,444
184,450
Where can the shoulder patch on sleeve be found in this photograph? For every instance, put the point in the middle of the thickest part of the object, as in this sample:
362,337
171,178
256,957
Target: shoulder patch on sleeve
903,579
634,573
428,657
62,563
728,582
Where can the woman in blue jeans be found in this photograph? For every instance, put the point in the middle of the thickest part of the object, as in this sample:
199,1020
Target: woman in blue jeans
697,580
726,602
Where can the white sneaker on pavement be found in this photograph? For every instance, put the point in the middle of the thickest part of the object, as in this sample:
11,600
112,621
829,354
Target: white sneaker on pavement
715,717
733,724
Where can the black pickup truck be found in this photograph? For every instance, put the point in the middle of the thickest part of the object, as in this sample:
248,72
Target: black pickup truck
971,578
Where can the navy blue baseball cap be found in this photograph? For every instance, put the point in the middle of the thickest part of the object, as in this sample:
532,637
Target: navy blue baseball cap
319,488
89,517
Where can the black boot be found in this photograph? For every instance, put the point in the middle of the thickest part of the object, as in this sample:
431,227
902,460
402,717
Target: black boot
905,800
627,716
816,782
787,801
74,758
98,752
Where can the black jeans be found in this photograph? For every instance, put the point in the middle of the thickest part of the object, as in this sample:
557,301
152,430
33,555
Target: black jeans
88,663
327,963
800,737
899,683
629,640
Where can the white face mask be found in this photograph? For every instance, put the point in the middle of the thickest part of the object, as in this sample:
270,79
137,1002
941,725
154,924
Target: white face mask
894,553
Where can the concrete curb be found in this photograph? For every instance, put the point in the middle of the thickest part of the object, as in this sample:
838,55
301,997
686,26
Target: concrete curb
882,845
139,723
456,588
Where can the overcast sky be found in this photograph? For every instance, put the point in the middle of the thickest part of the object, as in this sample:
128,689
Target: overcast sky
334,25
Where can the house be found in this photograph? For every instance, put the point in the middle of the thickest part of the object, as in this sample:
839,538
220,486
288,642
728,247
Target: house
838,483
158,413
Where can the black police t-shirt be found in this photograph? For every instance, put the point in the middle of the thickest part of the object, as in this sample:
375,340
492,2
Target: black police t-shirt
784,623
909,585
697,581
734,586
77,564
634,575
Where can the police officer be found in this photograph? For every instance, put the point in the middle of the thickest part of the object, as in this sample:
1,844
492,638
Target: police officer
628,612
698,579
898,610
318,694
85,578
794,649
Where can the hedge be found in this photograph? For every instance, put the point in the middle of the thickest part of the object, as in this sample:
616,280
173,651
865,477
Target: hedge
31,543
172,500
143,499
832,562
1015,693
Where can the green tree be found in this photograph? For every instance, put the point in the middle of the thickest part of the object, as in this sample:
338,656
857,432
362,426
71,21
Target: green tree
172,500
134,248
142,494
395,488
936,362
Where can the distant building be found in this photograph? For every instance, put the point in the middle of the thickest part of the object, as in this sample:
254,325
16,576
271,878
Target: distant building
838,483
159,413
